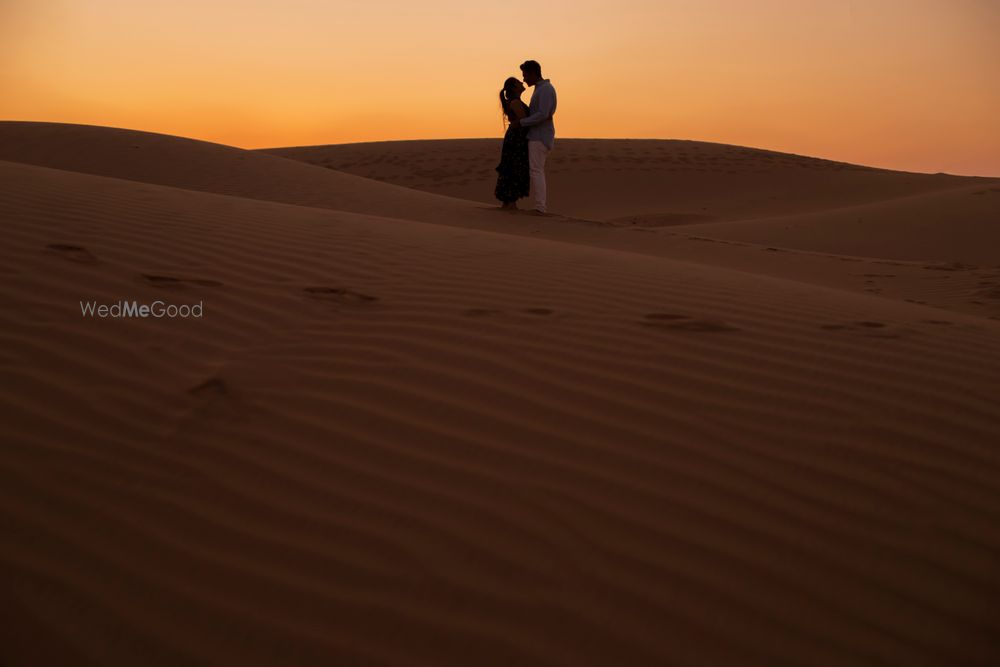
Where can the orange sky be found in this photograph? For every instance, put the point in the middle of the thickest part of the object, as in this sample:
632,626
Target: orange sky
907,84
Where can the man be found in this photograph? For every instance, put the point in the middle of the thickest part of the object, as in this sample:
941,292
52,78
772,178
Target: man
541,129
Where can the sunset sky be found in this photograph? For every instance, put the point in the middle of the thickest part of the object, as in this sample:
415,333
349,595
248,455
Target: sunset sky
906,84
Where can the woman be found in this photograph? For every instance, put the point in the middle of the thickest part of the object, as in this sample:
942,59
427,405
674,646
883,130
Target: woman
513,179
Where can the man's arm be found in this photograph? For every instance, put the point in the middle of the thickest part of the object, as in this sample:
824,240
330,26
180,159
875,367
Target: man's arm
545,104
518,110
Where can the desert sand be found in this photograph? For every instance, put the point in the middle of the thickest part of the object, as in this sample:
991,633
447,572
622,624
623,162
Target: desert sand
731,407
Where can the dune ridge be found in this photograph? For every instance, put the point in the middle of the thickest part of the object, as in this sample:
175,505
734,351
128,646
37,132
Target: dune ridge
192,164
391,441
961,223
729,193
957,272
647,181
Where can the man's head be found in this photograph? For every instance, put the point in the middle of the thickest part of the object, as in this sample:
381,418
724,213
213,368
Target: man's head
532,72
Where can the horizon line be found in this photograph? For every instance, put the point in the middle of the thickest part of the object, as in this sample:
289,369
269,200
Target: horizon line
385,141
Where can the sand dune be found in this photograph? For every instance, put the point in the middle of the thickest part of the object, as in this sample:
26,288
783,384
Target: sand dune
650,182
958,218
962,225
714,190
200,165
726,205
395,442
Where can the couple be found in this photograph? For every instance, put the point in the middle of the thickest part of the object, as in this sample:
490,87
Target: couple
528,139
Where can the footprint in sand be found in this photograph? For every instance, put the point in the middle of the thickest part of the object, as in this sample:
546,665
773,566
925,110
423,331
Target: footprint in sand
665,316
953,266
172,282
338,294
865,327
210,388
677,322
74,253
480,312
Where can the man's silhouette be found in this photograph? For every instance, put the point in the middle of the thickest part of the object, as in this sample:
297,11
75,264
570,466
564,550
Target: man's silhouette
541,129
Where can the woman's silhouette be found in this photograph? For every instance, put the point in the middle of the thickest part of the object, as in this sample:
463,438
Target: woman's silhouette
513,178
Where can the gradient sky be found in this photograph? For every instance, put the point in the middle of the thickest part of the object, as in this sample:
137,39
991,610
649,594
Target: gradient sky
906,84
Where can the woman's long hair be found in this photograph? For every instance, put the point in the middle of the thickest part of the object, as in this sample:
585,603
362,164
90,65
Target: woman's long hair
506,95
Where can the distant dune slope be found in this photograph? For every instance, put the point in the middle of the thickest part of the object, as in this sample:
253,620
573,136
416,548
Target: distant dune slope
390,442
775,199
198,165
814,200
725,192
655,182
962,225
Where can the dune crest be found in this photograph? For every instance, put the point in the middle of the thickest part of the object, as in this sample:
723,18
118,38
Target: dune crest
618,179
